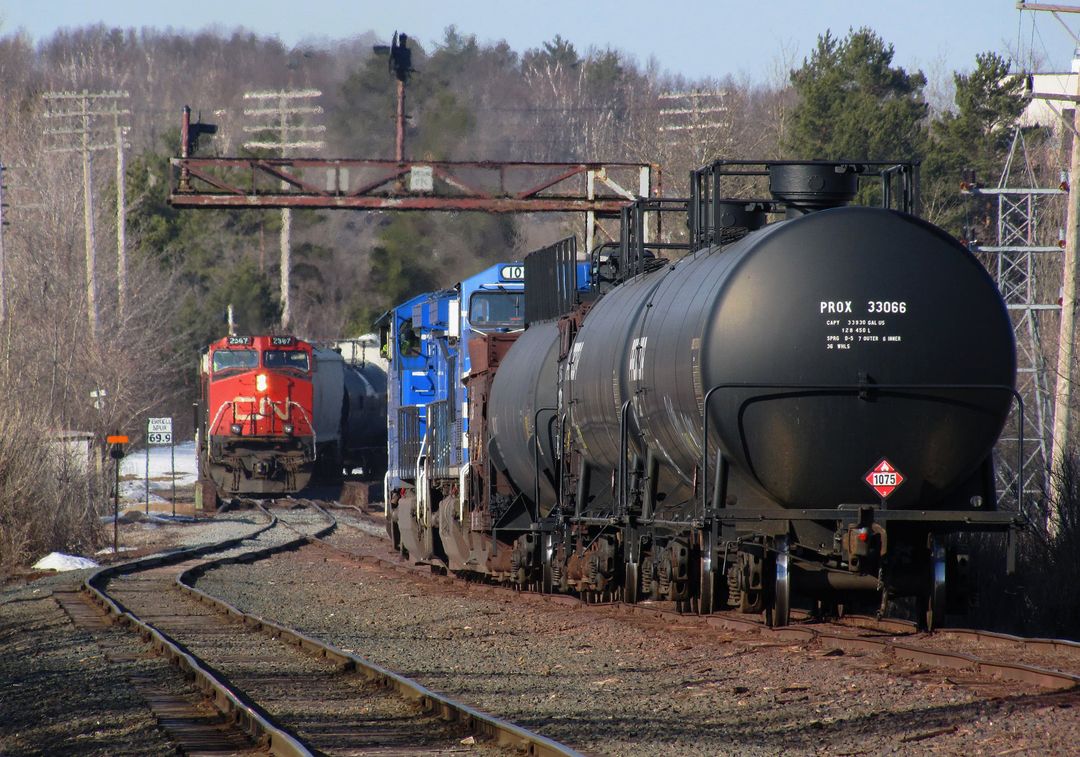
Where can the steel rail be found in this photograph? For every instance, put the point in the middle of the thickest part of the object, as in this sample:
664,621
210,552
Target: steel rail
247,715
1042,677
501,733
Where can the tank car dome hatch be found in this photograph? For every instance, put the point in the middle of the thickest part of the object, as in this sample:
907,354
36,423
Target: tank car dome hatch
812,186
739,214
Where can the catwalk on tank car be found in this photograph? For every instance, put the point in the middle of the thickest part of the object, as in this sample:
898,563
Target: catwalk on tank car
803,410
278,412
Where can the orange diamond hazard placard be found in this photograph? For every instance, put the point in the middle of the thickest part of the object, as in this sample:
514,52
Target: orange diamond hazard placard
883,478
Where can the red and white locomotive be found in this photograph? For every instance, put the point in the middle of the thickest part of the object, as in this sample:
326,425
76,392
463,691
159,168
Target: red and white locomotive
277,410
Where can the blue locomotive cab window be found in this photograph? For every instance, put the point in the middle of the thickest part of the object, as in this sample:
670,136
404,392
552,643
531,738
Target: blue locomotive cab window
494,310
227,362
287,360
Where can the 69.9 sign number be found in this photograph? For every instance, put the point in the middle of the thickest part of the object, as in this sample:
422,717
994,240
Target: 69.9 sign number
159,431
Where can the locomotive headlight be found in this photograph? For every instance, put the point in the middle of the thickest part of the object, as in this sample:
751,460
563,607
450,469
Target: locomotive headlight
288,428
235,429
262,382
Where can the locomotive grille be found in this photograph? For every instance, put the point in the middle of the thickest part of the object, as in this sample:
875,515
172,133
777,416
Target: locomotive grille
443,431
408,440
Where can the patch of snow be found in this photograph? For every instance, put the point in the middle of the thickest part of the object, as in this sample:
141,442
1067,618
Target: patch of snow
60,562
135,491
180,464
109,550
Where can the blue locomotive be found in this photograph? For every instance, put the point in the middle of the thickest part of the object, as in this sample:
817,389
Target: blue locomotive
427,341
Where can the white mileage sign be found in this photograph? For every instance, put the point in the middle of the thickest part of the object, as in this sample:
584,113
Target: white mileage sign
159,431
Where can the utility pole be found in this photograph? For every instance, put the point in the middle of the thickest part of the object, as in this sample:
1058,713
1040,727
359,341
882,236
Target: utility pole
696,111
83,128
1067,333
3,259
1063,391
121,216
286,119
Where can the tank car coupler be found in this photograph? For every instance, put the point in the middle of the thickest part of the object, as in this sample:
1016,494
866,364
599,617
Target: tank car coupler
864,544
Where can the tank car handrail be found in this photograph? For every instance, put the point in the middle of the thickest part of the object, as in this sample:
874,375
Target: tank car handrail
536,457
859,388
624,449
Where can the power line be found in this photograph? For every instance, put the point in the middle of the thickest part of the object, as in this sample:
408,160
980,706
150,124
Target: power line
78,119
283,114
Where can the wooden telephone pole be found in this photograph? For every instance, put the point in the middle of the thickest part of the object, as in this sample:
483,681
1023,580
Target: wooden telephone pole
285,111
77,121
1067,333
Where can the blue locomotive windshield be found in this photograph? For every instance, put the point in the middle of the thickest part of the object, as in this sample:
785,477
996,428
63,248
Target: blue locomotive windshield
489,310
233,361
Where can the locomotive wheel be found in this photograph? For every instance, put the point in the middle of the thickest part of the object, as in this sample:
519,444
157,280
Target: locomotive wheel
781,609
630,583
392,530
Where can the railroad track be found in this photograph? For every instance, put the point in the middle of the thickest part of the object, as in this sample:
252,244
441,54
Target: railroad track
288,693
1033,661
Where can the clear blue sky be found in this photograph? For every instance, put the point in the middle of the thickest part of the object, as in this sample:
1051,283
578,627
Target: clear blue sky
704,38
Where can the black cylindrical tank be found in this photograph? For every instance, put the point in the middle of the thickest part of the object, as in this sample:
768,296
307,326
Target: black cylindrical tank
365,421
817,304
523,398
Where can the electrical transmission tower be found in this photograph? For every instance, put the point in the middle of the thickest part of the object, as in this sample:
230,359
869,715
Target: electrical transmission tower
79,118
1021,259
282,114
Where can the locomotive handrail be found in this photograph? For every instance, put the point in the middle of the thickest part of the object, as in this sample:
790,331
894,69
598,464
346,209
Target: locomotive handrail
858,388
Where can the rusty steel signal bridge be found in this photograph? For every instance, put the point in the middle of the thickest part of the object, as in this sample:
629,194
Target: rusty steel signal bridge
485,186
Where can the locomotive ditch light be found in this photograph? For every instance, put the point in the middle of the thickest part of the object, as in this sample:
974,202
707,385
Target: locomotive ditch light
235,429
288,428
262,382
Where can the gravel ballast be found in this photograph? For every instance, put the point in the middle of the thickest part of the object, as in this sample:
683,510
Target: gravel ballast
597,679
606,684
60,691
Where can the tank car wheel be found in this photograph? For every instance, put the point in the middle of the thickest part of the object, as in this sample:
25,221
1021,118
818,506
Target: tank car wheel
547,551
932,607
631,582
781,608
750,568
707,583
